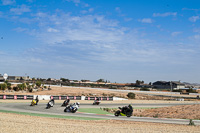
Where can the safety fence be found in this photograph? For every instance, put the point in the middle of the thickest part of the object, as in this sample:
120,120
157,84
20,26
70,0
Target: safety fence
100,98
66,97
15,97
47,97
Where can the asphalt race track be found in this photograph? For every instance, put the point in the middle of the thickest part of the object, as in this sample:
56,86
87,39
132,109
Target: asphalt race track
58,110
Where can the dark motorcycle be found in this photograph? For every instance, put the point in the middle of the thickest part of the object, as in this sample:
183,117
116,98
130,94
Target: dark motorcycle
65,103
96,102
124,112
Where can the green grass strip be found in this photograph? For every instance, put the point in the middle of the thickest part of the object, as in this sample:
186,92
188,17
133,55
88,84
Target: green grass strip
93,110
51,116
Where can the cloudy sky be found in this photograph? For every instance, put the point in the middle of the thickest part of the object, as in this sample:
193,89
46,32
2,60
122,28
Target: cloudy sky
117,40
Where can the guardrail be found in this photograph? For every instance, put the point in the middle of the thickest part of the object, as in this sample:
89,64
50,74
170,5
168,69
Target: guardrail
48,97
15,97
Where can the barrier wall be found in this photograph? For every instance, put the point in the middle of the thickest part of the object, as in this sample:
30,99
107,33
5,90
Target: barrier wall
16,97
66,97
101,98
48,97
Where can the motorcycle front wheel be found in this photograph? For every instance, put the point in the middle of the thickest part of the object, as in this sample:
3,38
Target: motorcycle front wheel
117,113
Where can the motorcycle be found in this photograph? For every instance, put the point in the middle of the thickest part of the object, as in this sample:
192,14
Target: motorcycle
65,103
96,102
72,108
124,112
50,104
33,102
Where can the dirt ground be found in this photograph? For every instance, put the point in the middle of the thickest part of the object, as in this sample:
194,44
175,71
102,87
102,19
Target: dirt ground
180,111
14,123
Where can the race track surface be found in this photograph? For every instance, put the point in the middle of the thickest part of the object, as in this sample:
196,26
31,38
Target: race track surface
58,110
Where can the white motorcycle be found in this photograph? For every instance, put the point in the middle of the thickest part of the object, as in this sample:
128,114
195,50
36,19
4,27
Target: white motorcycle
72,107
50,104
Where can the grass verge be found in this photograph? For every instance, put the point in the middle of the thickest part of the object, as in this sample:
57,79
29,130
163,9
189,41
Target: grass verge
94,110
51,116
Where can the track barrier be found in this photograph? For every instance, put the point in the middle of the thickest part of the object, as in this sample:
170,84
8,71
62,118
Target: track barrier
48,97
17,97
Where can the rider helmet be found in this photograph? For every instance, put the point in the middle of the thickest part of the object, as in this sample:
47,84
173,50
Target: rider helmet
77,103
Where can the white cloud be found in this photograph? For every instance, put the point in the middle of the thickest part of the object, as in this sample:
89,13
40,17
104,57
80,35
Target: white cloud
196,30
19,29
36,60
194,18
76,2
164,14
117,9
91,10
197,37
146,20
8,2
96,38
52,30
128,19
176,33
20,10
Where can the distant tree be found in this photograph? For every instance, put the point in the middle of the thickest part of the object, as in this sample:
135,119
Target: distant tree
150,83
3,86
131,95
33,79
29,87
138,82
100,80
22,86
49,79
15,88
38,83
8,85
64,80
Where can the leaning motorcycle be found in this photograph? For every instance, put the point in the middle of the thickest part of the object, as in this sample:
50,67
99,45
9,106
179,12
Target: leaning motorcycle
96,102
50,104
72,108
33,102
65,103
127,113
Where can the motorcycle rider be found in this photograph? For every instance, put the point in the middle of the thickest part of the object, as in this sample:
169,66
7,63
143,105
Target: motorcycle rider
52,100
97,101
126,109
75,105
67,101
37,100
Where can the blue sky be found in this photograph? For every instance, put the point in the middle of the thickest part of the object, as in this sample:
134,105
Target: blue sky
117,40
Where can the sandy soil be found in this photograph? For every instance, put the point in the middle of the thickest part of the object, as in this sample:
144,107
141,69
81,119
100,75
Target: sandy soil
69,91
180,111
19,123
